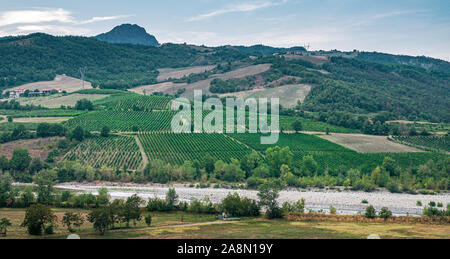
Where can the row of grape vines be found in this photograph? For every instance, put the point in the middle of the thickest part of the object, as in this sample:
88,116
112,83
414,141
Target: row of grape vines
434,142
177,148
113,152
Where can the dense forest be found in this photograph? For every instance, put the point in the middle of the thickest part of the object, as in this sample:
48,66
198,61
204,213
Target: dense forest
39,57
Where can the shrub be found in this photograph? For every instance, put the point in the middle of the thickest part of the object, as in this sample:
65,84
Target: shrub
148,220
370,212
385,213
298,206
332,210
393,187
235,206
364,202
419,203
254,182
156,204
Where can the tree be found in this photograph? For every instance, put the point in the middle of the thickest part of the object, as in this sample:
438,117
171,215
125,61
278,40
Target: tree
276,157
37,218
78,133
45,181
75,219
309,166
370,212
4,224
105,132
5,188
20,159
27,197
385,213
268,195
171,198
209,163
297,126
132,209
389,165
148,220
10,119
101,219
36,165
103,197
84,104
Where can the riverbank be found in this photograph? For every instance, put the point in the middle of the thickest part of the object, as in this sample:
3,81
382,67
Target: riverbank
346,202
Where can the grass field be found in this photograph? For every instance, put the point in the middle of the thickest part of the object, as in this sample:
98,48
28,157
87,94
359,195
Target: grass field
170,226
289,95
56,101
36,147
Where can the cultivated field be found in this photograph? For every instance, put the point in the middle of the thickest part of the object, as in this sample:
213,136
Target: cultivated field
368,143
178,148
62,82
36,147
289,95
112,152
204,84
316,60
55,101
39,119
168,73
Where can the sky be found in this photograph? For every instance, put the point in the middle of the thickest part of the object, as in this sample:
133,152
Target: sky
410,27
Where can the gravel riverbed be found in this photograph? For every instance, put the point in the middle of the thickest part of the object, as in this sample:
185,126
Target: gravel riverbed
348,202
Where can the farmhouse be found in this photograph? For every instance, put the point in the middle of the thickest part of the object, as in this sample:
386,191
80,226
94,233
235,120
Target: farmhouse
14,94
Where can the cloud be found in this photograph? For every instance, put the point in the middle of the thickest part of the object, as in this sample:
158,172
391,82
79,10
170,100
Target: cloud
52,29
104,18
35,16
243,7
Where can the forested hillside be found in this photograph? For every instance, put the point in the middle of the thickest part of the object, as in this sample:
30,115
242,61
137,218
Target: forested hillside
39,57
422,62
361,87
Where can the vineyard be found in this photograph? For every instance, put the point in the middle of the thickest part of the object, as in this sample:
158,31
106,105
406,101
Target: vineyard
124,121
433,142
177,148
339,162
135,102
113,152
296,142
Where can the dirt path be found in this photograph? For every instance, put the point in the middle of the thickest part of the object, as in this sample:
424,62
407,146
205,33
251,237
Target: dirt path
141,149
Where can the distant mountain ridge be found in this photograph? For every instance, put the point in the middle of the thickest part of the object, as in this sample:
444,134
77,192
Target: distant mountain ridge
129,34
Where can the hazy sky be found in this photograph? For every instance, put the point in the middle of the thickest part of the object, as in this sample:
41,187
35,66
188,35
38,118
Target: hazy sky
413,27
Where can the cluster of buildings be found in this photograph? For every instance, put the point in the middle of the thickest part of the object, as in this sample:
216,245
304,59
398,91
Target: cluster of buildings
17,93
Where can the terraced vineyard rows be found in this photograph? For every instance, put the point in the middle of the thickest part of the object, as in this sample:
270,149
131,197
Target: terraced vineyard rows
134,102
177,148
434,142
113,152
124,121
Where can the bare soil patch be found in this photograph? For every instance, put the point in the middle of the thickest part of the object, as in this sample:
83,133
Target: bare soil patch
289,94
368,143
36,147
166,74
316,60
62,82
